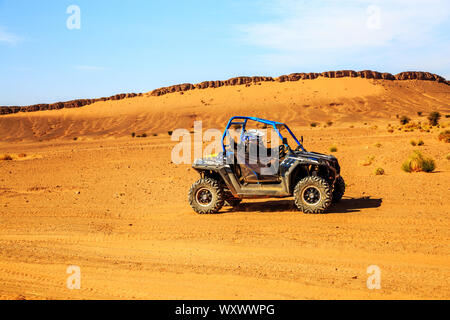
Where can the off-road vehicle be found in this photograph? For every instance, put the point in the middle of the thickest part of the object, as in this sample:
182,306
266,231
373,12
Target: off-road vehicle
288,170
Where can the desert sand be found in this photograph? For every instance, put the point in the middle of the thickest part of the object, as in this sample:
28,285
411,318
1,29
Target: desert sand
116,206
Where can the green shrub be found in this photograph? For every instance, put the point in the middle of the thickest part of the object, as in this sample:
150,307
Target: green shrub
417,163
434,118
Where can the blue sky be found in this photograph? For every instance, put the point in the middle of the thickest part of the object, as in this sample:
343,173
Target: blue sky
139,45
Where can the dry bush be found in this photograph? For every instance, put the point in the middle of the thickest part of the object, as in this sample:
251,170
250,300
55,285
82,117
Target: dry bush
6,157
367,162
444,136
333,149
379,172
404,120
417,163
434,118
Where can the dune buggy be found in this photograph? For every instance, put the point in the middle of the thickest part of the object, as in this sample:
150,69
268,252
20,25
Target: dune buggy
253,165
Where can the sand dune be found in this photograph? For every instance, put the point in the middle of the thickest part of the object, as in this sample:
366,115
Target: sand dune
341,100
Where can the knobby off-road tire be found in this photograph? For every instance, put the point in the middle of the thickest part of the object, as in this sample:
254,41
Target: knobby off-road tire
313,195
206,196
339,190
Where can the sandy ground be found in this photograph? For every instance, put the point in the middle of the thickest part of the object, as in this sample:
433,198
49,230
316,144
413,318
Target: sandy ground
117,206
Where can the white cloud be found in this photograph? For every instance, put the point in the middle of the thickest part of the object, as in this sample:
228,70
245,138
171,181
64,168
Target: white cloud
350,30
9,38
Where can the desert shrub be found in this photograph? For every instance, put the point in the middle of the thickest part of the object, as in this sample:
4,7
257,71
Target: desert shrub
434,118
417,163
367,162
445,136
329,123
155,134
448,157
144,135
419,113
133,134
75,138
404,120
378,145
333,149
420,143
391,130
379,172
6,157
170,133
314,124
413,143
447,116
22,155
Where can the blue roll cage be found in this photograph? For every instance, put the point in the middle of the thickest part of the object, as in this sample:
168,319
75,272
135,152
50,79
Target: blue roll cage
243,122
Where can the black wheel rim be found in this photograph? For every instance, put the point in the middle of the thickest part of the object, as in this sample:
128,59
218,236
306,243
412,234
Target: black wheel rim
311,195
204,197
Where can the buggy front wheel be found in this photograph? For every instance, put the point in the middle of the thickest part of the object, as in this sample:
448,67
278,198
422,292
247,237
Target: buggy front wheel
313,195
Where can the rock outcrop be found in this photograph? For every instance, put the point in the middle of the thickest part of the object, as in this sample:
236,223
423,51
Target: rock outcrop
415,75
68,104
366,74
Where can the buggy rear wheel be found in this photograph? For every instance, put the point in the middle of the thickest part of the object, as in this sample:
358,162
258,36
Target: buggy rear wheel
339,190
312,195
206,196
